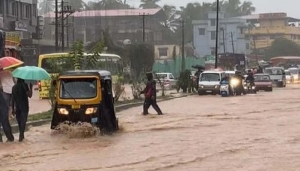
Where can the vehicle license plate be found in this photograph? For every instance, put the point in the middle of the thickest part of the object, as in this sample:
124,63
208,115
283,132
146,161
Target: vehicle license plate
75,106
224,93
208,91
94,120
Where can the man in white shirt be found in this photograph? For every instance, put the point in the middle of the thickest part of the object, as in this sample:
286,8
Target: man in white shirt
7,82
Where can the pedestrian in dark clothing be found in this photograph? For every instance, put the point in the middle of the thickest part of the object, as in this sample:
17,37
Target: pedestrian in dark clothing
150,95
197,75
4,121
20,104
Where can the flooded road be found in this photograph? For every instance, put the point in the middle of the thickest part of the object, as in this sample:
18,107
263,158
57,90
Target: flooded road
249,133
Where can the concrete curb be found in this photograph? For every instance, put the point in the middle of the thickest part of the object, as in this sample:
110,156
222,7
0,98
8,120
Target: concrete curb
15,128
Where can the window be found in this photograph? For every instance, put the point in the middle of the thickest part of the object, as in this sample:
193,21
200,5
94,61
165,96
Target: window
242,30
247,46
163,52
14,9
212,51
84,88
213,22
1,6
201,31
213,35
27,11
34,10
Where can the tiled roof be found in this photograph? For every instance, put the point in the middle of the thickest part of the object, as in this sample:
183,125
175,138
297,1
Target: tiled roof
111,13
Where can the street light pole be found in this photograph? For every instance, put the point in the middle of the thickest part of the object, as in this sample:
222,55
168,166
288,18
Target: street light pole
217,36
56,25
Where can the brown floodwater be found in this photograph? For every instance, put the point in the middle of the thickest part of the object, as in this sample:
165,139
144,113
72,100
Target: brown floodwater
209,133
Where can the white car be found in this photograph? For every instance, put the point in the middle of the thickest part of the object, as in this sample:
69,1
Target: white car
209,82
167,79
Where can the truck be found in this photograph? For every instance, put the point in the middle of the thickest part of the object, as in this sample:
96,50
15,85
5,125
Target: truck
232,61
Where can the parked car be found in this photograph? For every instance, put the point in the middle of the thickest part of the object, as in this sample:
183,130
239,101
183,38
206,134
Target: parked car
263,82
209,82
167,79
289,77
277,76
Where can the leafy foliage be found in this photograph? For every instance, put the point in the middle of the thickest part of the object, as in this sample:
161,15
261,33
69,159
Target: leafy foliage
77,54
141,57
184,80
283,47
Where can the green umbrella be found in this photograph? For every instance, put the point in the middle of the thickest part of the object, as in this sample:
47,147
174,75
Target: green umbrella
31,73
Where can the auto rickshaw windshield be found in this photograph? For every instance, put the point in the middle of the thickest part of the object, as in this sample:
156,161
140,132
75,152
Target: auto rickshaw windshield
78,88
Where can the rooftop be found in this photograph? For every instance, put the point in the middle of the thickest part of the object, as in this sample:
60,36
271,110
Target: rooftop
265,16
286,57
111,13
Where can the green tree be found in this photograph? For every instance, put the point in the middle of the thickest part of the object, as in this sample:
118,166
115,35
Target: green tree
283,47
45,6
76,4
141,57
147,4
108,4
170,20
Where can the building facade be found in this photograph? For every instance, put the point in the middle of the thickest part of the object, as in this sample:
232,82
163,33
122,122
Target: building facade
19,20
269,26
232,35
125,24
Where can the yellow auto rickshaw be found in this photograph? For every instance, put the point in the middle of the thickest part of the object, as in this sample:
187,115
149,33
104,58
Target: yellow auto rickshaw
85,96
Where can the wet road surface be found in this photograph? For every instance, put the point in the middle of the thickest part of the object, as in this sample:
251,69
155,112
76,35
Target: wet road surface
249,133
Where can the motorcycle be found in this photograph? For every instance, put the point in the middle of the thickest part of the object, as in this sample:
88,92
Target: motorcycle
249,88
234,85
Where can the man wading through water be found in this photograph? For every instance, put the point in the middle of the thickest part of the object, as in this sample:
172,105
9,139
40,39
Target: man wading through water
20,104
150,95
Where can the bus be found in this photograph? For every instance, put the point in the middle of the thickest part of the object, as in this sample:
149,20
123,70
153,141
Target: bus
56,62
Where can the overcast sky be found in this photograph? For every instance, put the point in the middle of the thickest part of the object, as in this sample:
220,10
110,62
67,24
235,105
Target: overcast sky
291,7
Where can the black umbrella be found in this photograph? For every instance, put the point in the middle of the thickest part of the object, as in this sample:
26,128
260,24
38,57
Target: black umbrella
198,67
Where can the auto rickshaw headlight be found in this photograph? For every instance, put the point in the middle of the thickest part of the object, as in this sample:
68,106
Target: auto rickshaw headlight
63,111
91,110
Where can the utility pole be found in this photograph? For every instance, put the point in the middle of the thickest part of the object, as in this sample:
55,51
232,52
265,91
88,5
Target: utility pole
62,27
143,15
182,47
232,43
56,25
217,36
224,45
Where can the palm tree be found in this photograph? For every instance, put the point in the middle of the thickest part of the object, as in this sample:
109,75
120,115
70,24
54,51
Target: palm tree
76,4
108,4
45,6
171,17
146,4
247,8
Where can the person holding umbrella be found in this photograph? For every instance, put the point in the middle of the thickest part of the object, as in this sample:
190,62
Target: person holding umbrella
21,91
4,121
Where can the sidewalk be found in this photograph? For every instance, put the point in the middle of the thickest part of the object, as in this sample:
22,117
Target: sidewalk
37,105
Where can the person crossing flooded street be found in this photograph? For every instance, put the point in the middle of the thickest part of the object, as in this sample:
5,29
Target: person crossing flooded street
20,104
150,95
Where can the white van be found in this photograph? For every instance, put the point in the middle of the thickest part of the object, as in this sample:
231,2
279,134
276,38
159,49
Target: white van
277,75
209,82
